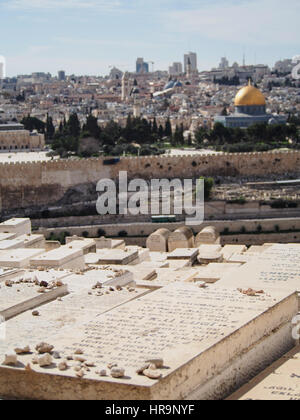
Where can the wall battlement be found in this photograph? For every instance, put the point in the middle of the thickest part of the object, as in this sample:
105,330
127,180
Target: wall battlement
27,184
174,158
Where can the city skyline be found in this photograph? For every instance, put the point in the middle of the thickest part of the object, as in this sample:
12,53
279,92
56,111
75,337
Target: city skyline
89,37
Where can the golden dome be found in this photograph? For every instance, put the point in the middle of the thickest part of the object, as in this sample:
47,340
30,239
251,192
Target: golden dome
249,96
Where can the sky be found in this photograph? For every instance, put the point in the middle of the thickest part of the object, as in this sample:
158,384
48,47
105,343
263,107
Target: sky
90,36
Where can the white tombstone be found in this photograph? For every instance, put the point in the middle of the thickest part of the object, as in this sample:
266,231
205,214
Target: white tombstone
207,236
181,238
158,240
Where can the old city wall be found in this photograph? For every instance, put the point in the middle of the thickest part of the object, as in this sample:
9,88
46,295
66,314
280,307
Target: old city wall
45,183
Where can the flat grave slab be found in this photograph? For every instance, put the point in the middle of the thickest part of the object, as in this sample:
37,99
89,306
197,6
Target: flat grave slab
7,236
105,277
19,226
143,271
11,244
19,298
80,306
112,256
183,254
32,241
87,245
187,326
277,267
241,258
213,272
279,382
166,276
257,249
106,243
179,264
64,257
229,250
19,258
210,254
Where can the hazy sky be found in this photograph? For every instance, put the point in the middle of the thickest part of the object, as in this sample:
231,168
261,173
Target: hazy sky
88,36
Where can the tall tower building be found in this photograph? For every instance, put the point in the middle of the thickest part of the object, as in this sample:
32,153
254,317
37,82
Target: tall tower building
175,69
193,59
125,86
61,75
141,66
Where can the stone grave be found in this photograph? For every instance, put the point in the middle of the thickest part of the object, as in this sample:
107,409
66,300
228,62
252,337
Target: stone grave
257,249
18,297
19,258
229,250
158,240
277,267
32,241
6,236
106,276
189,254
112,256
11,244
166,276
178,264
143,254
144,271
210,254
231,334
17,226
106,243
87,245
182,238
279,382
213,272
241,258
209,236
64,257
83,304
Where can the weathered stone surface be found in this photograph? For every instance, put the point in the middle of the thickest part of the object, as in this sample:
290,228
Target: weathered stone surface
181,238
158,241
45,360
152,374
42,348
10,359
208,235
280,381
117,372
62,366
22,350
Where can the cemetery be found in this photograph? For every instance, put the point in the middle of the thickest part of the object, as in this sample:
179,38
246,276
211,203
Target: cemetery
185,318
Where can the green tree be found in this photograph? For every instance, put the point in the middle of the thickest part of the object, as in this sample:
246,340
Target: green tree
168,128
154,127
32,123
73,125
50,129
92,127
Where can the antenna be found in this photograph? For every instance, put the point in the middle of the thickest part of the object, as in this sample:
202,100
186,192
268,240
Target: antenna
152,62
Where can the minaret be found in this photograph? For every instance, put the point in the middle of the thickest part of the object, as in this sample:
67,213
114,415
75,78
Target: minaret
136,101
189,68
125,87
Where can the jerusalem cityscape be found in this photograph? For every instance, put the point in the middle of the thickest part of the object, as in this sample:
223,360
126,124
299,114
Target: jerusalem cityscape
149,203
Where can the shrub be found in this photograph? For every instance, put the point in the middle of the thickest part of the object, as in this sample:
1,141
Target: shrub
208,186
